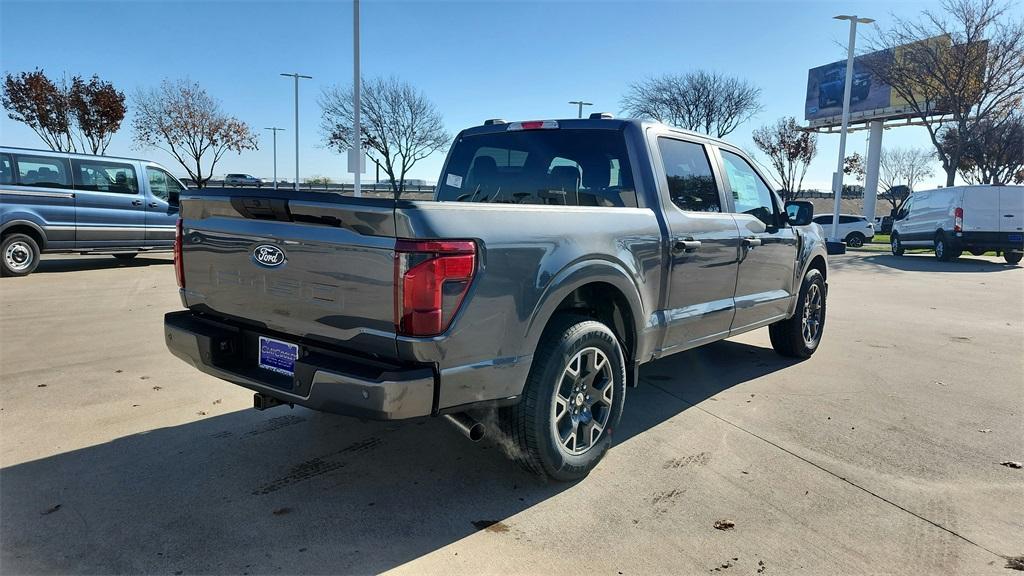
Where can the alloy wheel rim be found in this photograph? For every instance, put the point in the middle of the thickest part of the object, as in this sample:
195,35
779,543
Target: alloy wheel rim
18,256
582,403
811,324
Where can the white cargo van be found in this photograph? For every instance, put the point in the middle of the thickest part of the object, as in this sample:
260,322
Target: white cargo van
952,220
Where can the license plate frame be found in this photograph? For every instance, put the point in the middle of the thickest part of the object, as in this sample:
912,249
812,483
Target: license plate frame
277,355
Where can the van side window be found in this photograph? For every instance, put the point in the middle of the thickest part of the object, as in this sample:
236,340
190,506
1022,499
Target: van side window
691,184
750,194
104,176
6,171
162,184
43,171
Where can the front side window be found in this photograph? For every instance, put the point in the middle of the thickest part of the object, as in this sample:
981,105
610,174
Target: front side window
43,171
750,194
691,184
162,184
550,167
104,176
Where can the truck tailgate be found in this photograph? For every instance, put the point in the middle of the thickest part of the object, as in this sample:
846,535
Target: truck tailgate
309,265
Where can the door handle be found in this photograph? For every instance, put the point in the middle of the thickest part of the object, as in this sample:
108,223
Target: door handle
154,205
136,202
685,245
1007,215
751,242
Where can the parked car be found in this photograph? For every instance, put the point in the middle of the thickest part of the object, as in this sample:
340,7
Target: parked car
883,224
853,229
952,220
59,202
554,259
243,180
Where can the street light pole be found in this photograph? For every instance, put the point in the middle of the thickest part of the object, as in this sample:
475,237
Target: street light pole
581,104
837,177
275,130
296,76
357,138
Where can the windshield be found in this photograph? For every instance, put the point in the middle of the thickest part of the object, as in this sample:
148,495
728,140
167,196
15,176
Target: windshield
558,167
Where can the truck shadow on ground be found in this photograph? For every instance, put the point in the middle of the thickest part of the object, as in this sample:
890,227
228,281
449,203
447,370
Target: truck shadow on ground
919,262
297,491
48,265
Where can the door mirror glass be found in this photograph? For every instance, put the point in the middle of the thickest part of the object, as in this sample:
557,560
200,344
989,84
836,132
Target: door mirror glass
799,213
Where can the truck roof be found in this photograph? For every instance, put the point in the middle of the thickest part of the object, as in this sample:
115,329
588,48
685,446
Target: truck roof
590,123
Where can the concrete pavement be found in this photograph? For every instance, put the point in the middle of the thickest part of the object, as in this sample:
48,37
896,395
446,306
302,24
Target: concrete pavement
880,455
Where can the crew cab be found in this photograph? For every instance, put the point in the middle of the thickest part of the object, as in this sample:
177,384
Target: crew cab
552,260
61,202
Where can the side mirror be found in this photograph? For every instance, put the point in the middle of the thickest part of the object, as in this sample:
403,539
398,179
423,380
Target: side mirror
799,213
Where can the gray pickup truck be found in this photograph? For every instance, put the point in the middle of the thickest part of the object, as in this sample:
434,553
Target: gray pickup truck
552,260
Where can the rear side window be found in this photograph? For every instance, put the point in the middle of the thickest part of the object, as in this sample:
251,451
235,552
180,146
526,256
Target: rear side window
823,219
104,176
6,170
548,167
849,219
691,183
42,171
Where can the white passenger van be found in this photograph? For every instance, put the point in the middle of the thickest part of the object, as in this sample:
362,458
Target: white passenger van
953,220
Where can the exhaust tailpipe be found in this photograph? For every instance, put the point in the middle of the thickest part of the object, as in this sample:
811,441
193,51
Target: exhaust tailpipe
262,401
470,428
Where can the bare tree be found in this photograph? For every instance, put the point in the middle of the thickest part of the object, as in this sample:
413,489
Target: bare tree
702,101
995,155
98,109
790,151
900,170
400,125
181,119
854,165
36,101
957,69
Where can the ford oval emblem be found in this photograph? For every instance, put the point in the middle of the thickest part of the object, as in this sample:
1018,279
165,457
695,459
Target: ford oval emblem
268,255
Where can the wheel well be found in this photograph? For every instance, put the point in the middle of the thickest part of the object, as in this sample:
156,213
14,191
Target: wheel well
606,304
818,263
28,231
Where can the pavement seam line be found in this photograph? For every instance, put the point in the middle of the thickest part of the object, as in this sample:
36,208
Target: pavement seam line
826,470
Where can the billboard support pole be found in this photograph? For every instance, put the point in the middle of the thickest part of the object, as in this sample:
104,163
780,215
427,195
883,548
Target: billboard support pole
837,178
871,177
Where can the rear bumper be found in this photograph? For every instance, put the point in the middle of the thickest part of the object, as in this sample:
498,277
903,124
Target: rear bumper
1006,241
325,379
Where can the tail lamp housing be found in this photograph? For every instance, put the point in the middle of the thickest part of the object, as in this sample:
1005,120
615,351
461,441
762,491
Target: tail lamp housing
179,266
958,219
432,278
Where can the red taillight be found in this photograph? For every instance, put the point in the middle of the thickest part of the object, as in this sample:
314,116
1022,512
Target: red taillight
533,125
179,266
431,279
958,220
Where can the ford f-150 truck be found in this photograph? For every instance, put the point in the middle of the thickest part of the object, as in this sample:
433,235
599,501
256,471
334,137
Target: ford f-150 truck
553,259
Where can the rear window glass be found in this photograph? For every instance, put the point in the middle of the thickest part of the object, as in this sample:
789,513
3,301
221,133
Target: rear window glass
553,167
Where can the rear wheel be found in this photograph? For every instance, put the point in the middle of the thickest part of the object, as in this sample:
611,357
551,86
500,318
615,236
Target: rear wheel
1012,257
19,255
944,250
799,335
895,245
855,240
571,403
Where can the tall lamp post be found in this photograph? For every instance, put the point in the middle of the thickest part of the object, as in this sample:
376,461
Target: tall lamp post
837,178
275,130
581,104
296,76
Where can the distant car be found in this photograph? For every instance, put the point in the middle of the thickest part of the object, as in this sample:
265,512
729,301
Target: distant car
243,180
883,224
854,230
953,220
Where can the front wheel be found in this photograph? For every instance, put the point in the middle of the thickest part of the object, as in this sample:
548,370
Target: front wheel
1012,257
799,335
895,245
572,401
19,255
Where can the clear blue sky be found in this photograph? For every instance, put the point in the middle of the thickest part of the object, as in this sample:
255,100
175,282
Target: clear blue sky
475,60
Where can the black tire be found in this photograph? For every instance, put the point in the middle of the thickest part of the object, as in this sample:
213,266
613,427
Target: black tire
530,426
978,252
895,245
126,256
945,251
1012,258
855,240
19,255
788,336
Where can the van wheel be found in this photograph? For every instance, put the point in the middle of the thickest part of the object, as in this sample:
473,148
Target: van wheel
944,251
19,255
895,245
855,240
572,401
126,256
799,335
1012,257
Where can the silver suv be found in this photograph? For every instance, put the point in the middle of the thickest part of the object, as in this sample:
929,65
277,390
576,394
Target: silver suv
243,180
